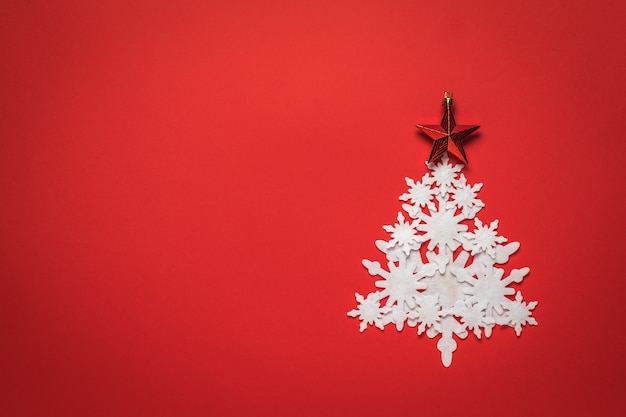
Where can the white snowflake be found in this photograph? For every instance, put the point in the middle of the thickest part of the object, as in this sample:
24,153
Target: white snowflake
368,310
489,287
428,313
451,285
400,284
403,234
520,313
444,174
464,197
420,194
442,228
473,316
483,238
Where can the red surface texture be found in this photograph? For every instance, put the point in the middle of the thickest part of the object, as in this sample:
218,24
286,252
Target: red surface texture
187,189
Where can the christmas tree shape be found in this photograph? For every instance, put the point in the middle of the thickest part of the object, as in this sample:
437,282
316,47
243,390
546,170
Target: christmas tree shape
441,276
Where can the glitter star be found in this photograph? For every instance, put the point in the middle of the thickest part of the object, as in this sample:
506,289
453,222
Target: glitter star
448,136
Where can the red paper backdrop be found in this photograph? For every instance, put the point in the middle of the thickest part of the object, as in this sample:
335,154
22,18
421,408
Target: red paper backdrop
188,188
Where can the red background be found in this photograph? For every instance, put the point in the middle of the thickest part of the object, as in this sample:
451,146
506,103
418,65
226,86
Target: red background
188,188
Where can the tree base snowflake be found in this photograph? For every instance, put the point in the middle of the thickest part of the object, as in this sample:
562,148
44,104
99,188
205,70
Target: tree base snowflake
441,277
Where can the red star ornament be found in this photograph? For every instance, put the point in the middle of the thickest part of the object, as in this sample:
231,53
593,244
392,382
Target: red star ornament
448,135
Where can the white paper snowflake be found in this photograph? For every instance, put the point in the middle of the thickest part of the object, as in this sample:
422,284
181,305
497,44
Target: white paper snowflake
442,277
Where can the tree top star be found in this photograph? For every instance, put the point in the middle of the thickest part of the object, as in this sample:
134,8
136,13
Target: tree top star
448,135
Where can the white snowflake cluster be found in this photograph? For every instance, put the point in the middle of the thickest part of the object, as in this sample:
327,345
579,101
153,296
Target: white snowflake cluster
457,287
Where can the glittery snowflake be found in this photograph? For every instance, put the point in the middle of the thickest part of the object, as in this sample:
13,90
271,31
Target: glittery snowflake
442,273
